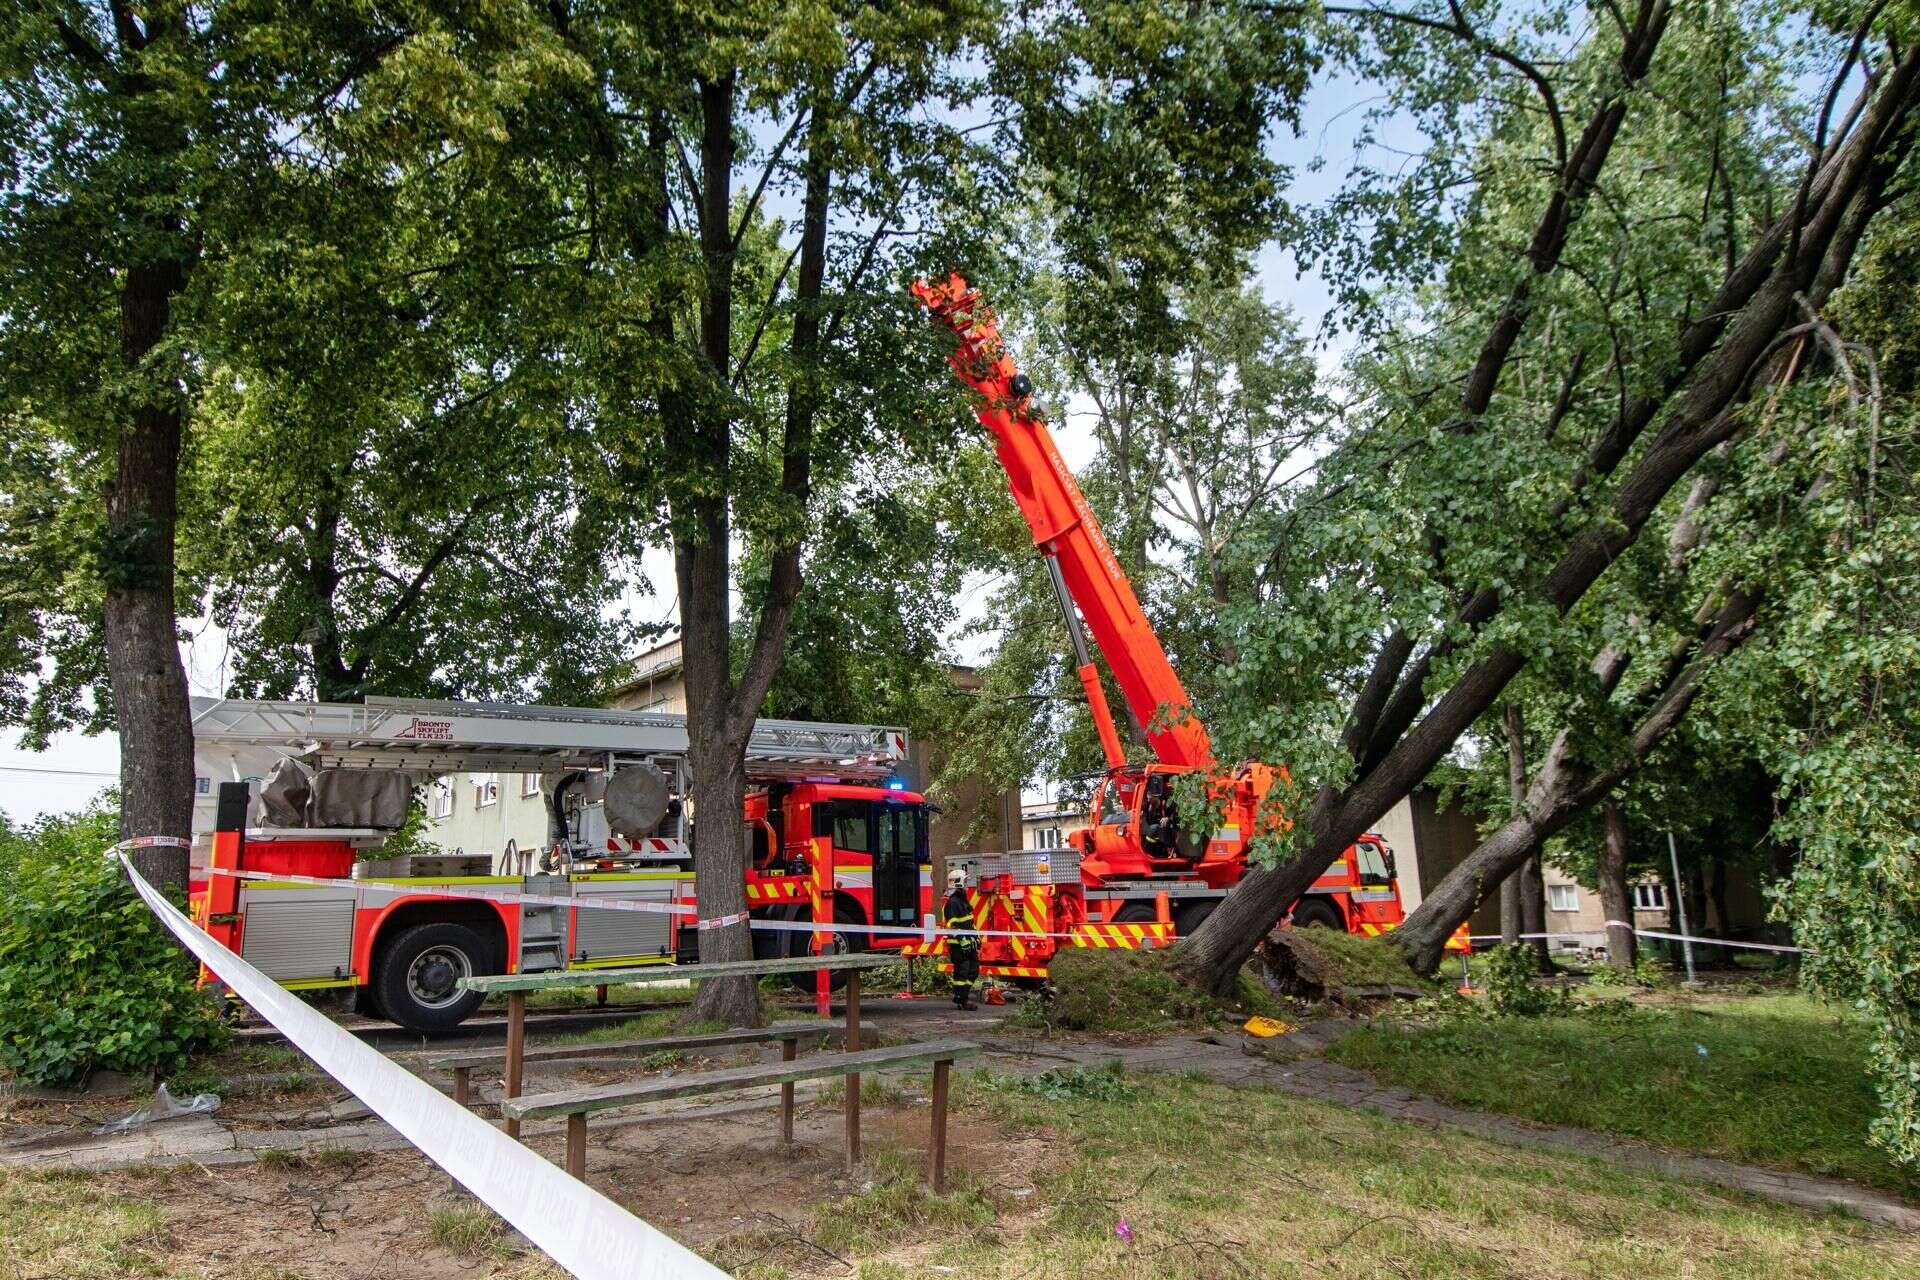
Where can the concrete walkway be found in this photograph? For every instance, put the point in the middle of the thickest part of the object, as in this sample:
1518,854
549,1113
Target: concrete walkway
1226,1060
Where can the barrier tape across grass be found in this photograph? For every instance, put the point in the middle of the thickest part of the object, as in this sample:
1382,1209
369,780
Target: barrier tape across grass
576,1226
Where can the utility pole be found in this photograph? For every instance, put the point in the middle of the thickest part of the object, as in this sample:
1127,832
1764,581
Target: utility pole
1680,905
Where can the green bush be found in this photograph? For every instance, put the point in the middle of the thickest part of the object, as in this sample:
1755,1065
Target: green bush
88,978
1510,986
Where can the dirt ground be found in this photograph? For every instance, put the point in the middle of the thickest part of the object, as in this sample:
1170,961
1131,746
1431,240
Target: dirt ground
711,1172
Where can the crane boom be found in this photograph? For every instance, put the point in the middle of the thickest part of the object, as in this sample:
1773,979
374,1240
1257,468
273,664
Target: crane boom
1081,563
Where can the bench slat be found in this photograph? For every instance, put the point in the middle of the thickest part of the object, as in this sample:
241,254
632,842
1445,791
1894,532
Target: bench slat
604,1097
492,982
600,1048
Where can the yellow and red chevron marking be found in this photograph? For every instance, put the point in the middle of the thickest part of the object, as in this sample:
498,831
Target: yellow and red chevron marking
1004,970
780,890
1146,933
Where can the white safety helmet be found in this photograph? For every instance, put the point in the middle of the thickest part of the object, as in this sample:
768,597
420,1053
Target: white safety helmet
956,876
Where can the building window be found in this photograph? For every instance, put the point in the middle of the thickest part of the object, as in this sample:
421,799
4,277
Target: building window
1047,838
442,798
486,790
1563,897
1650,895
529,784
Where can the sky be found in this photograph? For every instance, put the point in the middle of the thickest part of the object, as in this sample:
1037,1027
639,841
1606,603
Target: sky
76,767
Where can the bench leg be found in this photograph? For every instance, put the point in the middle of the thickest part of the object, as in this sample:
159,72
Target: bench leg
853,1081
789,1048
463,1085
577,1145
516,1050
937,1150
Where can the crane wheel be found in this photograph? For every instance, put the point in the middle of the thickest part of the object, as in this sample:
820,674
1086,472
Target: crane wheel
1138,912
1324,914
1188,919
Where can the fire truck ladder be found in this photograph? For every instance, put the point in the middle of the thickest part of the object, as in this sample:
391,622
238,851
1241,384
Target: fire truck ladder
435,737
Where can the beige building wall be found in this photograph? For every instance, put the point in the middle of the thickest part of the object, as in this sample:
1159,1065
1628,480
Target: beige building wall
1575,918
483,812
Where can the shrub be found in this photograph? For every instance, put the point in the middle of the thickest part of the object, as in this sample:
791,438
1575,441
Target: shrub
1510,986
88,978
1104,1083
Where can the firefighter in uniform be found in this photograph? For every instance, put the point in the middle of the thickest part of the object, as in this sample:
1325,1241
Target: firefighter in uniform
957,913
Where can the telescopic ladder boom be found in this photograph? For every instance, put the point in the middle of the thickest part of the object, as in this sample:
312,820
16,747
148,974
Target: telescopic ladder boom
1080,562
437,737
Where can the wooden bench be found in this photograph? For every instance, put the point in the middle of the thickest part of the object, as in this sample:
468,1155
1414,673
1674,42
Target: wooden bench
789,1034
577,1104
516,985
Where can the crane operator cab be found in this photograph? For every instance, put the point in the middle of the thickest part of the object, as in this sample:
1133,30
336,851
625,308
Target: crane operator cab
1139,829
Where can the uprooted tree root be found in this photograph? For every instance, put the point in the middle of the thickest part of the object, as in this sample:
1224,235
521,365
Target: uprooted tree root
1135,991
1139,991
1319,965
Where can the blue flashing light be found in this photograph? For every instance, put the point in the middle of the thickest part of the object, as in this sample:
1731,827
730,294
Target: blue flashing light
896,784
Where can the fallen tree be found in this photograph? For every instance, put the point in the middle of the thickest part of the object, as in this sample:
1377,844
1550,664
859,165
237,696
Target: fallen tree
1424,686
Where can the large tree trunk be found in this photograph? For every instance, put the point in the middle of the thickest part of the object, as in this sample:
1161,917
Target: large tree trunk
149,684
1399,729
1511,924
702,558
1527,887
1533,912
1615,901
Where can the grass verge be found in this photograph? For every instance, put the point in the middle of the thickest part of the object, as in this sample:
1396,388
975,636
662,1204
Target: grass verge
1209,1181
1769,1080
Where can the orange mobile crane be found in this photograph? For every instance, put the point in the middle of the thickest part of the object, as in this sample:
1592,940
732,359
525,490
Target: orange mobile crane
1145,871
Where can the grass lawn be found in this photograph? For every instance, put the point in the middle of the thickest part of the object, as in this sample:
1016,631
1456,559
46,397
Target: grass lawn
1219,1182
1781,1080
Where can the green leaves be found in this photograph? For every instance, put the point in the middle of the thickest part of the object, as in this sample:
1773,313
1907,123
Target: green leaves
89,980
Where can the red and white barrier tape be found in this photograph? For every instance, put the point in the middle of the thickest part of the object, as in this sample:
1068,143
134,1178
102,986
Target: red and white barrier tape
924,932
576,1226
1651,933
459,891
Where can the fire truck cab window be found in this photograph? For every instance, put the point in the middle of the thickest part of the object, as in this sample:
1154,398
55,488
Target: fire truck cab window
1116,801
1373,864
850,826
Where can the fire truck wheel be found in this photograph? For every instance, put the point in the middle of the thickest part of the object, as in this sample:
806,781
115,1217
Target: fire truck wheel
418,981
801,944
1189,918
1134,913
1311,913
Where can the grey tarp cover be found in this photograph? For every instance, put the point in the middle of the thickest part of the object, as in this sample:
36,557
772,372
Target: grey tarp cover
360,798
296,795
285,794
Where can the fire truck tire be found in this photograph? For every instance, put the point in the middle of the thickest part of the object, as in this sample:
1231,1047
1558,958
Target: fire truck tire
1310,913
1134,913
1189,918
417,979
801,944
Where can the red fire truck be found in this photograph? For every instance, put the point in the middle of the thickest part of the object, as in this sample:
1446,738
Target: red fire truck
1141,871
836,836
